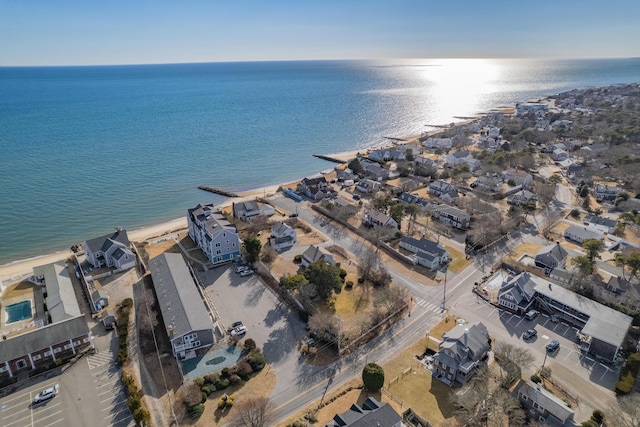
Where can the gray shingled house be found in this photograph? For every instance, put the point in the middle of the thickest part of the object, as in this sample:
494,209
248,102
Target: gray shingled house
110,250
551,256
186,318
462,350
371,413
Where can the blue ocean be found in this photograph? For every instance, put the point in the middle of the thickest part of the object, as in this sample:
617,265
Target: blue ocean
87,149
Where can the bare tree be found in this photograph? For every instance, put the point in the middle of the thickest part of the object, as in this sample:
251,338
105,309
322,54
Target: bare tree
391,297
369,262
546,193
148,321
325,325
627,412
512,359
253,412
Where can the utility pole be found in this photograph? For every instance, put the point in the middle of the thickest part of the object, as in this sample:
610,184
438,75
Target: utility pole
339,336
444,292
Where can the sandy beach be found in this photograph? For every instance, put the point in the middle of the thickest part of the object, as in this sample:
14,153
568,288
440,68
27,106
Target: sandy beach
16,270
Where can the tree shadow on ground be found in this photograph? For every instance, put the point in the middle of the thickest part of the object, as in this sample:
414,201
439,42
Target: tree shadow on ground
279,345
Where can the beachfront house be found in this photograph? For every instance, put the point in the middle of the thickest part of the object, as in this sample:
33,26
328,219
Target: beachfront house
110,250
386,155
537,108
462,157
551,256
520,177
315,188
188,323
41,327
381,219
580,234
426,252
216,236
443,190
316,253
606,191
375,172
246,211
435,143
283,236
453,216
462,350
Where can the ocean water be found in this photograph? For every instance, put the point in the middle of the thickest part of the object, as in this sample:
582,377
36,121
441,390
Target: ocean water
87,149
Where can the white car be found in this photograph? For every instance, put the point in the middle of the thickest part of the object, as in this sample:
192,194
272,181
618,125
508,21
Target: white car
241,268
240,330
246,273
46,394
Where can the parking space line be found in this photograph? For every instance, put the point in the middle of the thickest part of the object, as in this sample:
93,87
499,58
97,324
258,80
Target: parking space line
17,397
49,416
109,383
115,404
16,412
114,415
21,419
55,422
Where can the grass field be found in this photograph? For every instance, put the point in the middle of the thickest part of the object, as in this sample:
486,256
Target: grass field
459,262
525,248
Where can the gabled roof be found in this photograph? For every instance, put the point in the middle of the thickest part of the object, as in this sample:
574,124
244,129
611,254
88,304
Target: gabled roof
280,229
247,206
212,219
598,220
41,338
554,405
315,253
472,336
372,413
180,301
461,154
441,185
378,216
313,181
453,211
576,230
103,243
425,245
554,251
61,298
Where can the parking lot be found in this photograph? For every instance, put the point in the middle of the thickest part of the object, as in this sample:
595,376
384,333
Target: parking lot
508,327
18,409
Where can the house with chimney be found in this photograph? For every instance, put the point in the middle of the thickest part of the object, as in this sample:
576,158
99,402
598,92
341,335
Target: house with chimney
283,236
217,237
315,188
550,257
316,253
426,252
543,406
461,352
246,211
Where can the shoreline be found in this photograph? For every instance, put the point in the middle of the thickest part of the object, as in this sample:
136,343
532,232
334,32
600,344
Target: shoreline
14,270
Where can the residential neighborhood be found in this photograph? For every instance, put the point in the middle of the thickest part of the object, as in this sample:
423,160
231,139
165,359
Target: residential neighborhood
497,258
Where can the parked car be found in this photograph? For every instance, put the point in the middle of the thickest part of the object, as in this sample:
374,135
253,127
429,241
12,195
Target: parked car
246,273
46,394
554,318
240,330
235,325
530,333
356,197
241,268
531,314
552,346
293,215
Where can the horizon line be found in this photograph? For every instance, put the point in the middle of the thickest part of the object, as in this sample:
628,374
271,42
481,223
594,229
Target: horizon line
320,60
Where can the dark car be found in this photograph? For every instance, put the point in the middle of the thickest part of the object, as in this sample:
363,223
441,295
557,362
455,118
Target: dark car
530,333
293,215
552,346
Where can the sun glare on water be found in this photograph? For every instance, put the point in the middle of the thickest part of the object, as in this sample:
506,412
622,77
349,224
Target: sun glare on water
458,86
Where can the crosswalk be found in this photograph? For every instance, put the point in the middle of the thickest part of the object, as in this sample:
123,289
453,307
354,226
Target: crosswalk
429,306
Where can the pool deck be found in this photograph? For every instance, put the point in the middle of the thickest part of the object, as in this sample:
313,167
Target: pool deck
212,361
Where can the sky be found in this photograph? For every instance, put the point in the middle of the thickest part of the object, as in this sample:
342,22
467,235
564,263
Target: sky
68,32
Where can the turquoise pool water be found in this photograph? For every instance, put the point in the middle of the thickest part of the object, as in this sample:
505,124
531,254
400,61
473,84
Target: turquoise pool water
18,311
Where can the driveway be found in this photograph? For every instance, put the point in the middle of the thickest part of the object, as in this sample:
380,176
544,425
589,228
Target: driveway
268,322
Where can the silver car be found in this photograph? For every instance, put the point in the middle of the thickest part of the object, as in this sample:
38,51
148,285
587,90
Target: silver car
46,394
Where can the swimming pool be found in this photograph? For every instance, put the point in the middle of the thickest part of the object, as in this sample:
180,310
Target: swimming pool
18,311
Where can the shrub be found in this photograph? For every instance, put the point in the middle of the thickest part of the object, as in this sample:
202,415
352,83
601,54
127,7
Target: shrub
234,379
224,373
373,377
598,416
575,213
249,344
222,403
257,361
337,288
208,389
199,381
204,397
536,379
210,378
343,273
195,411
229,403
297,259
221,383
312,416
349,285
625,384
360,280
299,423
244,370
142,417
511,182
589,423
